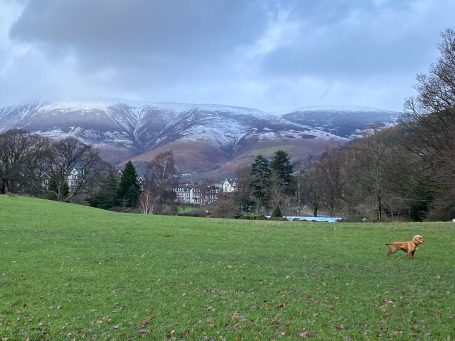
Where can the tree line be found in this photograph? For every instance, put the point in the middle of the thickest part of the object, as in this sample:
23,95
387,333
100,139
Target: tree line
264,188
69,170
403,172
406,171
155,194
36,165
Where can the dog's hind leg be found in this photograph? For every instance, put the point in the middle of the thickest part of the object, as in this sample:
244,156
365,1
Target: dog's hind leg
392,249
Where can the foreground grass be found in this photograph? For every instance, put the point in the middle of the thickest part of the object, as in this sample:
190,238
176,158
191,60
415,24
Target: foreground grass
73,272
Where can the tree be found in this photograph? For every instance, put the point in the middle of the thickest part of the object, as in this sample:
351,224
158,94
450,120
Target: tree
436,90
329,167
106,196
148,198
242,197
276,213
430,121
21,159
129,188
225,208
161,181
282,168
310,188
372,167
261,182
66,157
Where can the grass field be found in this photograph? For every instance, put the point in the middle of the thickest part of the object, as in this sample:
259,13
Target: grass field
72,272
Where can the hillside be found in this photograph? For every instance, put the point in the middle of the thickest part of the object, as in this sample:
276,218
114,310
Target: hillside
204,137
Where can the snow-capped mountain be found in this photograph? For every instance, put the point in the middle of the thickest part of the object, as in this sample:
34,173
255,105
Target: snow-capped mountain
202,136
343,121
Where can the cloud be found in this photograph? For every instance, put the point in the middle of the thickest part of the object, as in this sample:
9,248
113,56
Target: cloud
362,42
268,54
122,33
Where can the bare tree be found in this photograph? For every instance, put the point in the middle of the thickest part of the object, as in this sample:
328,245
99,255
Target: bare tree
329,167
21,156
148,198
69,155
311,188
372,166
430,119
436,90
162,171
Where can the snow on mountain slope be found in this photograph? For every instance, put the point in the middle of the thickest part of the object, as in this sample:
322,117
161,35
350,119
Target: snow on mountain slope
122,130
10,116
338,108
343,121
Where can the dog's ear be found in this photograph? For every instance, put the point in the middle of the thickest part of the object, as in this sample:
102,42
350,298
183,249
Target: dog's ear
418,239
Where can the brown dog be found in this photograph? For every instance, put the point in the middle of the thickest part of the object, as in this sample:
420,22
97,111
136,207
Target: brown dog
408,247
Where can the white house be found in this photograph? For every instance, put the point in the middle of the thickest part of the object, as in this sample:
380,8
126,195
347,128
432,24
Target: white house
140,178
196,194
73,178
183,193
229,186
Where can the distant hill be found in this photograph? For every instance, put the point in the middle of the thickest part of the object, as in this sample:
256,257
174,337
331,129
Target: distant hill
343,121
204,137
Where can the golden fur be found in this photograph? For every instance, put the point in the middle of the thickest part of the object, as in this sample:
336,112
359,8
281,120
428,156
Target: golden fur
409,247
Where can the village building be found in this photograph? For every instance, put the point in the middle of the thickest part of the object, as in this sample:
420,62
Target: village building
197,194
203,194
229,186
74,178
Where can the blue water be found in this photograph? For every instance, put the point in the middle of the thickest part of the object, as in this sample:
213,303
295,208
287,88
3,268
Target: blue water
324,219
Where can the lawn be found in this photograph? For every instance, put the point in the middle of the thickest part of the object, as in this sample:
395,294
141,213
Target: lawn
73,272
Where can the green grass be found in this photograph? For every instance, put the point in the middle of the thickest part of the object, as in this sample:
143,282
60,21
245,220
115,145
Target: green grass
186,209
73,272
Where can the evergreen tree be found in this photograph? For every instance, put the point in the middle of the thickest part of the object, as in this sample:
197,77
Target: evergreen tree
261,181
106,197
276,213
129,188
282,169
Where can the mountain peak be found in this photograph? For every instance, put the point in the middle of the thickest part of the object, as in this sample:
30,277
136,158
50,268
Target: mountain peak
202,136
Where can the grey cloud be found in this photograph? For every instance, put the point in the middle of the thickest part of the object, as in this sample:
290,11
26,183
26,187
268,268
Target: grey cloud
361,41
262,53
135,31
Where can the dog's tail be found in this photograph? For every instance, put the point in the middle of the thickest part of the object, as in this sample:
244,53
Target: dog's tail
388,243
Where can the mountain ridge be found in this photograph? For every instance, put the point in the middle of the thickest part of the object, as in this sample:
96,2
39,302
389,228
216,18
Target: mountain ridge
138,131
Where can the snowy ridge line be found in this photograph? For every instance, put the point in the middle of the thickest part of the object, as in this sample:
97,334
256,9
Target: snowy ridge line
338,108
146,125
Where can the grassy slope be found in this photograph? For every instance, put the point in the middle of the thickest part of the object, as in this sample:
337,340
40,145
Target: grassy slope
69,271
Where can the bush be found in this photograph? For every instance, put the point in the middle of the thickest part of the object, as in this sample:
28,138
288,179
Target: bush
276,213
168,210
253,216
225,209
199,213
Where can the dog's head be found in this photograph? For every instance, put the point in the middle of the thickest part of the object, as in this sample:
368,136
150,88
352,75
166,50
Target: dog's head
418,239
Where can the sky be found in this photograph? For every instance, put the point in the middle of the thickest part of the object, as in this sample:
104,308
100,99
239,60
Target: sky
266,54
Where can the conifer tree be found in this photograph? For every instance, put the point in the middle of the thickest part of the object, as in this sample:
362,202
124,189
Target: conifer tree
261,181
282,169
106,197
129,188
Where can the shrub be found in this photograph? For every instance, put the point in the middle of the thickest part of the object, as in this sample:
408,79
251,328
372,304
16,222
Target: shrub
276,213
225,209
